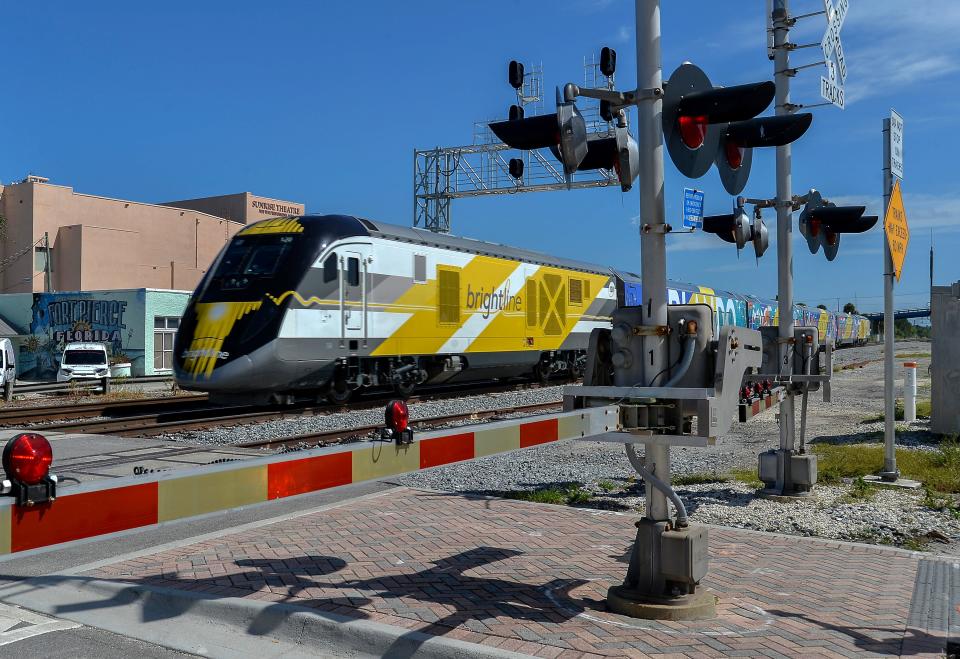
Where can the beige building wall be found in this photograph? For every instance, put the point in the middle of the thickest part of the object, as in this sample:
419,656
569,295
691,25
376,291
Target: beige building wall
107,244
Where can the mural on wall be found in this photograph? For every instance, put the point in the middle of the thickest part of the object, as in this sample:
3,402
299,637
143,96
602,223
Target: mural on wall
61,318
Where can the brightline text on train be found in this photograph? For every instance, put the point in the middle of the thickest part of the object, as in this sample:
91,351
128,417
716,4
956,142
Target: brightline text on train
498,300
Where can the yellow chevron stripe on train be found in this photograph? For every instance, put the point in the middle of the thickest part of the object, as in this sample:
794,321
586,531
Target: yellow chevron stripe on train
326,305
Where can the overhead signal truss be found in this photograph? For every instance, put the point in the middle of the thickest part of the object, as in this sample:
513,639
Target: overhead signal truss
443,174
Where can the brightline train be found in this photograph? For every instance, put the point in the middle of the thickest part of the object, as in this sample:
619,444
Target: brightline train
326,305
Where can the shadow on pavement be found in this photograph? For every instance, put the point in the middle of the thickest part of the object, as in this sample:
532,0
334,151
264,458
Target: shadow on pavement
899,641
472,598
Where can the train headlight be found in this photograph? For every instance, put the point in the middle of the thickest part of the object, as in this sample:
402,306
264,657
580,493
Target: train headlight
397,420
26,460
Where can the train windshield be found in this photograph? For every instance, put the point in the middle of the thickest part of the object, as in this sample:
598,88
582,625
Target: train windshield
250,259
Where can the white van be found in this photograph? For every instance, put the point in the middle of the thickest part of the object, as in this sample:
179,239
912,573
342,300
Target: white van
83,360
8,363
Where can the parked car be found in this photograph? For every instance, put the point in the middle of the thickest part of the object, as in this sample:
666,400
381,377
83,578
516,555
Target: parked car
83,360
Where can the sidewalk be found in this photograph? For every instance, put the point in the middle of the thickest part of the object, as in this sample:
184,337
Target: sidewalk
530,578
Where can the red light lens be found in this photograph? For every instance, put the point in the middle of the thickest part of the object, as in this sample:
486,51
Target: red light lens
398,415
693,130
27,458
734,154
814,228
831,238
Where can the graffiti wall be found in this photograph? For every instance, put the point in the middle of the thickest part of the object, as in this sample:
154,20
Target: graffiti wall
49,321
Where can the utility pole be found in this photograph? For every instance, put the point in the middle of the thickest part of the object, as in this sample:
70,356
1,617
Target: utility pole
784,203
46,263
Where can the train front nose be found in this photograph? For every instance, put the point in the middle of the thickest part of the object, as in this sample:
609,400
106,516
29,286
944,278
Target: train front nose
214,342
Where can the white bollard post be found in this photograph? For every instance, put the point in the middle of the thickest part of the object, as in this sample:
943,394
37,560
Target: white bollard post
910,392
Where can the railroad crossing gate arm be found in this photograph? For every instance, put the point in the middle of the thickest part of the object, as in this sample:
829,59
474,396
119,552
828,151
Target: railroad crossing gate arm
125,504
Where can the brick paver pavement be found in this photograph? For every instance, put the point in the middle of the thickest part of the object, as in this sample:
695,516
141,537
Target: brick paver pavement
531,578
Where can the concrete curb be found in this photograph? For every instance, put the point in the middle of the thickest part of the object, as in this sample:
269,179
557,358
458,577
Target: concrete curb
230,626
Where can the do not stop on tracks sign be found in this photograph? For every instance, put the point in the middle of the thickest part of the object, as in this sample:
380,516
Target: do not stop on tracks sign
895,226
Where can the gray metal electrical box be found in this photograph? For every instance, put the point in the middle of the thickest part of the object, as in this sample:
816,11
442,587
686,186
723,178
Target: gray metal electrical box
803,469
945,359
683,554
630,357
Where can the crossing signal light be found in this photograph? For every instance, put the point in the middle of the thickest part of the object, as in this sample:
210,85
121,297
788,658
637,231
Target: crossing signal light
608,61
738,139
695,113
515,74
565,130
822,222
736,228
516,112
705,125
733,228
397,422
618,152
26,462
515,167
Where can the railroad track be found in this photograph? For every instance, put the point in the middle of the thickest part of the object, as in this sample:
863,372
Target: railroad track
16,416
169,420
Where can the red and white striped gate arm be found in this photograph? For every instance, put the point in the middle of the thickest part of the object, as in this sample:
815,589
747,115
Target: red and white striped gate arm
122,504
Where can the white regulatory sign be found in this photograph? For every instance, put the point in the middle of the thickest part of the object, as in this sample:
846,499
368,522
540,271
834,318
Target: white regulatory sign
832,92
831,87
896,144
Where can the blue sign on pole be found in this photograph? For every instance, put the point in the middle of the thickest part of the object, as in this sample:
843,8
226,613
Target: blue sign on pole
692,208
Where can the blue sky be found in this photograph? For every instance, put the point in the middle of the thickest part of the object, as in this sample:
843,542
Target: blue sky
325,102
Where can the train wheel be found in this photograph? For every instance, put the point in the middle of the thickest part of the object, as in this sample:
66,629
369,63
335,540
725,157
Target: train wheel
542,373
339,392
404,389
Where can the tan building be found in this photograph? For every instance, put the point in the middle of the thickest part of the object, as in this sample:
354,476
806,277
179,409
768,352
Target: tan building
97,243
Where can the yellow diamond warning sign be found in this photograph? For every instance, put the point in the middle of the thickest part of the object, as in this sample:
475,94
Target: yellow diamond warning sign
895,226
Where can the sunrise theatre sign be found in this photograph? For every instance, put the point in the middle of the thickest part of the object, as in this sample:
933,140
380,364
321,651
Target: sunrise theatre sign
271,208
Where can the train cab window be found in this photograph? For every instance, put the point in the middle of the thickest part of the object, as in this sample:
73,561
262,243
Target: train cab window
353,271
330,268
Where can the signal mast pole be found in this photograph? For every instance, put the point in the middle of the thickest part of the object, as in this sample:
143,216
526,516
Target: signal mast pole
653,251
781,65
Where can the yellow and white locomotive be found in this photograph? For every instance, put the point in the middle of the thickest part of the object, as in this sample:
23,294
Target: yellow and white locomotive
325,305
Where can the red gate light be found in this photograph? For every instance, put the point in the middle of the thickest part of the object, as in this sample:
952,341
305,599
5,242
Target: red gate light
734,153
397,416
693,130
27,458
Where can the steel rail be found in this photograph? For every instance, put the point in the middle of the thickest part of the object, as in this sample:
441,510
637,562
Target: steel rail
13,416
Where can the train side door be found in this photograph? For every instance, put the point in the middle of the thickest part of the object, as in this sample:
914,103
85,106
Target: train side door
353,270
